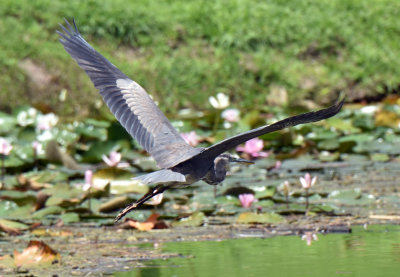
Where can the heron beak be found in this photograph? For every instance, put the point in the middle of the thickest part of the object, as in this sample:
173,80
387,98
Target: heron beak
242,161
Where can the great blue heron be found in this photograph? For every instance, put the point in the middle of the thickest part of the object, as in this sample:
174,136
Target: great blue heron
180,163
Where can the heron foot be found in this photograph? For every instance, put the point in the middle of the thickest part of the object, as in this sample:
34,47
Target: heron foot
157,190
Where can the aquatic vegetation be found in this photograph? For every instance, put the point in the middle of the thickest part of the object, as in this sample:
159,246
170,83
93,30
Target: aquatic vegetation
253,148
220,102
246,200
113,159
307,182
191,138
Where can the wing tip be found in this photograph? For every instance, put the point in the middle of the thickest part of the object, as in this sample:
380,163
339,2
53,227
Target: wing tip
68,30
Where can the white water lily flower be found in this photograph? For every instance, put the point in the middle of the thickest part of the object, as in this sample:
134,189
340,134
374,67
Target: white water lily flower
46,121
369,109
220,102
45,136
27,117
38,148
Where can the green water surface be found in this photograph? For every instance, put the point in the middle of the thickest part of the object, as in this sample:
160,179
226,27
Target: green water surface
371,252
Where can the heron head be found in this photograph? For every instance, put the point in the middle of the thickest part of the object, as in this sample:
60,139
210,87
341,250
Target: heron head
232,159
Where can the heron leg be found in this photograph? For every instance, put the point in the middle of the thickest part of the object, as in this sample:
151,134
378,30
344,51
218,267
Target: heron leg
157,190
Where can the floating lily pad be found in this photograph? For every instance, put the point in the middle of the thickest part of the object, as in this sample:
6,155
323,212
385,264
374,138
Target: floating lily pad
330,144
19,197
326,156
264,203
146,164
47,211
115,203
7,123
379,157
63,191
9,209
365,122
194,220
346,196
353,157
264,192
69,218
90,131
120,181
249,217
97,150
12,225
342,125
322,208
128,186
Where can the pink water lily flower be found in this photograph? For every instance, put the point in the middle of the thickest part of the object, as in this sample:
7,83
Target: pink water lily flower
307,182
253,147
191,138
88,180
5,147
246,199
113,160
231,115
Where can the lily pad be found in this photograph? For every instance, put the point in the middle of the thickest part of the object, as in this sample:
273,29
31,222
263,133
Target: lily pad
120,181
69,218
113,204
47,211
12,225
379,157
194,220
264,192
326,156
7,122
250,217
19,197
90,131
63,191
329,144
97,150
349,197
9,209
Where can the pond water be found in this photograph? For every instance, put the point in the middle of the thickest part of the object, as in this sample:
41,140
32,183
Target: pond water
374,251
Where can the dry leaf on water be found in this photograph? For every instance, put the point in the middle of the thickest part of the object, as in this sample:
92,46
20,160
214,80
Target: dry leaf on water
150,223
37,253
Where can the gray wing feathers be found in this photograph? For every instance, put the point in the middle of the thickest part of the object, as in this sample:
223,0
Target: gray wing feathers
161,176
129,102
234,141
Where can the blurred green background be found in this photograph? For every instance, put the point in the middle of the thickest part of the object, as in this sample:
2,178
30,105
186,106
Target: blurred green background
258,52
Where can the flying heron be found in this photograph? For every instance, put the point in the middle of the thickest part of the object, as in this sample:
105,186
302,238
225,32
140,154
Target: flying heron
180,163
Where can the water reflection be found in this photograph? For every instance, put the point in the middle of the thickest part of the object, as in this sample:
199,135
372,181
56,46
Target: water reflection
362,253
309,237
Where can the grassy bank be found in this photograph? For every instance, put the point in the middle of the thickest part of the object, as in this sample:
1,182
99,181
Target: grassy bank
184,51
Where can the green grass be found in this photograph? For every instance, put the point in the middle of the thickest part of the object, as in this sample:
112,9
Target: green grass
184,51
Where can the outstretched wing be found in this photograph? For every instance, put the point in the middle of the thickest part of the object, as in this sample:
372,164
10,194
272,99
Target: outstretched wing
129,103
234,141
161,176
